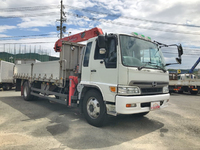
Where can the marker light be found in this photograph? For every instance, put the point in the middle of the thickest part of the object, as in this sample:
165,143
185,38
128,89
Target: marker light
134,34
131,105
149,38
113,89
142,36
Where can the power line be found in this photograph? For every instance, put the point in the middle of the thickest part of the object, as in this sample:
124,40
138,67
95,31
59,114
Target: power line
130,25
27,43
132,18
28,35
26,38
28,15
33,8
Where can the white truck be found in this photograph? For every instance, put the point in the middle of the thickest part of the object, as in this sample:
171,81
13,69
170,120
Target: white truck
113,74
184,83
6,75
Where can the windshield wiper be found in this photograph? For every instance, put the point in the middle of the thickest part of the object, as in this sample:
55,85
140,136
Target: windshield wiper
150,63
147,63
161,68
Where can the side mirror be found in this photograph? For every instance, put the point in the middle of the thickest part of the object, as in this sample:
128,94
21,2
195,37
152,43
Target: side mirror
102,51
180,50
101,41
178,60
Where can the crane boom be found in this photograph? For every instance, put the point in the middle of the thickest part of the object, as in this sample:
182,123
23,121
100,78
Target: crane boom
194,66
79,37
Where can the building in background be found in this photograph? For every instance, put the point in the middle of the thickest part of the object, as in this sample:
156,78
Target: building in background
27,56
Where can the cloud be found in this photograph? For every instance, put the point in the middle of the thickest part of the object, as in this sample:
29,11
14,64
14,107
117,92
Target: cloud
37,22
4,35
34,29
4,28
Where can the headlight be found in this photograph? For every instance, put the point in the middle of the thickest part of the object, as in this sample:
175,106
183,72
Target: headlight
129,90
165,89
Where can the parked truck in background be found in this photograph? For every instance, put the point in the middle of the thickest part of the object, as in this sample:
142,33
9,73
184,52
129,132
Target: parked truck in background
6,75
113,74
185,82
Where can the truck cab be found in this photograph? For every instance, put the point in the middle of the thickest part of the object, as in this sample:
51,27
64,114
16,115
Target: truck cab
127,71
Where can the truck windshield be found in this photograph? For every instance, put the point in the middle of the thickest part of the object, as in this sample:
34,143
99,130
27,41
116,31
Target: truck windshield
140,53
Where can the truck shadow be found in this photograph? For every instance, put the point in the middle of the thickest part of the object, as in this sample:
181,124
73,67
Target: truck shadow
68,126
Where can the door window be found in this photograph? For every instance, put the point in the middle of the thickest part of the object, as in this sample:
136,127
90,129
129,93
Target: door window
87,55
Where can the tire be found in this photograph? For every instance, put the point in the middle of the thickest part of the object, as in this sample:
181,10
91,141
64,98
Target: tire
5,87
94,108
27,92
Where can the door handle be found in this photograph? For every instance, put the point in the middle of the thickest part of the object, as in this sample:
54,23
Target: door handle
93,70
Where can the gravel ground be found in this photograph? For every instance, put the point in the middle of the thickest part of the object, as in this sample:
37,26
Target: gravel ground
39,125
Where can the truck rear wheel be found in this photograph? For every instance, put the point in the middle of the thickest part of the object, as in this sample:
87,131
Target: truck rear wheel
94,108
27,92
5,87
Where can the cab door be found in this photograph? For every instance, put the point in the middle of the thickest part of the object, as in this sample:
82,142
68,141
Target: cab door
85,70
103,67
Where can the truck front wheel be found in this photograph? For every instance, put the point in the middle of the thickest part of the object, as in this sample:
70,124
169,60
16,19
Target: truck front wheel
94,108
27,92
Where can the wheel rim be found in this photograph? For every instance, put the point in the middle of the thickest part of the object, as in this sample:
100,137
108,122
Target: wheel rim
93,108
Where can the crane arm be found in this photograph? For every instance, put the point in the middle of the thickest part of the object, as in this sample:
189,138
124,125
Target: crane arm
79,37
194,66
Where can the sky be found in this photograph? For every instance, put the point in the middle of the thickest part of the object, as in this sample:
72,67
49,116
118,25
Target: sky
30,26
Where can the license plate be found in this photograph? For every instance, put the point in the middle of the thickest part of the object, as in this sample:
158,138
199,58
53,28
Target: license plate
155,105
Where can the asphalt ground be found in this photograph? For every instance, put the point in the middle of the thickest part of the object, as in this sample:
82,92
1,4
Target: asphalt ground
40,125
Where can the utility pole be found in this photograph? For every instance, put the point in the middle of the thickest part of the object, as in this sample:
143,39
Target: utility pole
61,17
61,28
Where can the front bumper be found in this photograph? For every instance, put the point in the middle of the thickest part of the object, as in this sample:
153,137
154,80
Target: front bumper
142,103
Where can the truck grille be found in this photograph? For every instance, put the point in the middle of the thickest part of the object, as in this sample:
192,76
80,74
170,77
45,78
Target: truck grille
151,90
